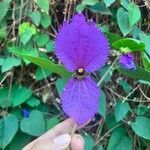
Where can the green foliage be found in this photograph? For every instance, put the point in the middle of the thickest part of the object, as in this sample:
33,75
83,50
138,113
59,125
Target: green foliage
15,97
60,83
45,63
19,141
80,8
108,2
89,142
34,125
100,8
127,88
139,73
45,20
134,14
4,6
26,31
132,45
121,109
89,2
42,73
102,104
33,102
50,123
35,17
8,129
43,4
9,62
123,21
141,127
41,39
119,140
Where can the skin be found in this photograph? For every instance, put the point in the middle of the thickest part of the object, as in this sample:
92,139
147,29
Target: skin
48,140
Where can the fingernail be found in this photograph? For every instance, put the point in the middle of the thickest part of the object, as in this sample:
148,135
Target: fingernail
79,137
62,141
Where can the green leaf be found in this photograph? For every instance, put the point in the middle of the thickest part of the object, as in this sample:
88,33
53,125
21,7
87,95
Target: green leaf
141,127
34,125
50,123
20,95
146,61
134,14
43,4
111,120
33,102
89,142
80,8
17,96
60,83
127,88
9,63
89,2
42,73
108,2
100,8
4,6
1,61
45,63
119,140
50,46
123,21
121,109
102,104
125,3
35,17
113,37
46,20
145,39
105,77
133,45
19,141
100,147
8,129
41,39
26,31
139,73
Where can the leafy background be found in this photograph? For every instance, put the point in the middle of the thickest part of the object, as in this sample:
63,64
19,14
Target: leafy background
32,79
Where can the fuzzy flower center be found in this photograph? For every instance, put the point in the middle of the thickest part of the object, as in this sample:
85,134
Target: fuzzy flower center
80,71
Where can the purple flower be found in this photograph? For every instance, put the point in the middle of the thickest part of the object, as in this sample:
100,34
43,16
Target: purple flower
127,61
25,112
82,48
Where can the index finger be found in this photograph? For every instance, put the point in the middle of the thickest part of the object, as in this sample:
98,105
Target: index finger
62,128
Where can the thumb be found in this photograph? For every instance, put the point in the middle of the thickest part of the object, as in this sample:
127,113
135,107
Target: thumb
59,143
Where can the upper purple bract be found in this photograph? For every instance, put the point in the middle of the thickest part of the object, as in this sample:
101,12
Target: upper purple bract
127,61
81,44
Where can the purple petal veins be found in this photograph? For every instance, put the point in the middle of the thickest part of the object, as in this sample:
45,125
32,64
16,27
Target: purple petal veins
80,99
127,61
81,44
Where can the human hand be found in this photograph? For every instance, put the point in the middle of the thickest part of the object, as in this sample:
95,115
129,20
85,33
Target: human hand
58,138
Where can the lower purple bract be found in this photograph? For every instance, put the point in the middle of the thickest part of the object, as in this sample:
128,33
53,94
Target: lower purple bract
127,61
80,99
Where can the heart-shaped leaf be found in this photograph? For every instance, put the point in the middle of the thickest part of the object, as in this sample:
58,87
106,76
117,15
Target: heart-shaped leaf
141,127
123,21
34,125
8,129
